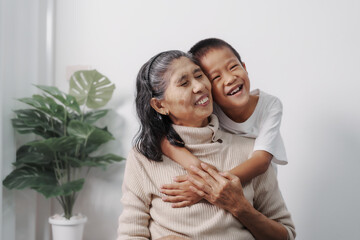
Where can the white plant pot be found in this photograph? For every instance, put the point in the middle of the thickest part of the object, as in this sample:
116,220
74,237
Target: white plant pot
67,229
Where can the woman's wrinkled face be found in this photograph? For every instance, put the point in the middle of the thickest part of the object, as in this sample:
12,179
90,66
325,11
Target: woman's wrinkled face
187,97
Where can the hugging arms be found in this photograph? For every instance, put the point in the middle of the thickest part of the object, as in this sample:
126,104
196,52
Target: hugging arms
174,101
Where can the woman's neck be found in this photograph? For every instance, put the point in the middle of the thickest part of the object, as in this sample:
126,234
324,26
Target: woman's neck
201,123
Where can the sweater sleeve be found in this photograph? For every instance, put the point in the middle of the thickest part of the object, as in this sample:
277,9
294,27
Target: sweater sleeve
269,201
134,219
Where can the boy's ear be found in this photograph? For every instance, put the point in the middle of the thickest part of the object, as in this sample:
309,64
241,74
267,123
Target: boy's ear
157,105
244,66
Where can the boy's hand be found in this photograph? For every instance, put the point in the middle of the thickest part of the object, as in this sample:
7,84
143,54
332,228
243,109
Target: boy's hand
197,164
179,193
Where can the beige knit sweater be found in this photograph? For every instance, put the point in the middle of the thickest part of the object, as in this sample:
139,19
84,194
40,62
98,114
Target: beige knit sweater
146,216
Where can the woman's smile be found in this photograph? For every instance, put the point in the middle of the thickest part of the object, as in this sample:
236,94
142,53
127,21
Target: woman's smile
203,100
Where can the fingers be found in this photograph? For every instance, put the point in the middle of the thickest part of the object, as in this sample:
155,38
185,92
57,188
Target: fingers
211,166
171,192
181,204
181,178
204,175
174,199
213,173
173,186
228,175
197,191
204,187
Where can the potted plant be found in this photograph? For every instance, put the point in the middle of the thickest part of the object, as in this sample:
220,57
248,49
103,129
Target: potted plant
54,163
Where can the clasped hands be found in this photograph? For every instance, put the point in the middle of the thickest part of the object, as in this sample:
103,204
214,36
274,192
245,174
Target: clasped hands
222,189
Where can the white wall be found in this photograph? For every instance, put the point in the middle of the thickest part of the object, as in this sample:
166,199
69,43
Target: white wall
24,61
304,52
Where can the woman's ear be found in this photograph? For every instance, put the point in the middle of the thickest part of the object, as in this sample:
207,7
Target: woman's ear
157,105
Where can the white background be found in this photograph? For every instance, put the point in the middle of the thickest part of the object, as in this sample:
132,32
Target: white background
305,52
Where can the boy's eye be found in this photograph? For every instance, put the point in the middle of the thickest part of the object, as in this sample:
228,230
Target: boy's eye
234,66
215,78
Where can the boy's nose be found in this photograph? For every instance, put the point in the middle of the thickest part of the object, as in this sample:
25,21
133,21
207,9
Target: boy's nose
229,79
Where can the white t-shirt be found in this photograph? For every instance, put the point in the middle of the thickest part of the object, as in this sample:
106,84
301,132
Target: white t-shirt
263,125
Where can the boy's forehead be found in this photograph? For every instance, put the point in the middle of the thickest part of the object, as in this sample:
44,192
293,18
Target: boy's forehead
223,49
217,56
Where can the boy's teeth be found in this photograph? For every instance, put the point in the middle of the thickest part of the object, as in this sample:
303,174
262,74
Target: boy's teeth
236,90
202,101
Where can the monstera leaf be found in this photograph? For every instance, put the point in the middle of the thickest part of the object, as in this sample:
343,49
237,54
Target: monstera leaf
27,177
91,88
35,121
67,100
93,116
46,105
88,133
49,190
57,144
43,182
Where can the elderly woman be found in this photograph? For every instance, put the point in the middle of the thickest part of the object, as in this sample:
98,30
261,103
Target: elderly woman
174,101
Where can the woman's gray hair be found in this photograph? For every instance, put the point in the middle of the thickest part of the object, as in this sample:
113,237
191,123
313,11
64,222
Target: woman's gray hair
152,81
158,67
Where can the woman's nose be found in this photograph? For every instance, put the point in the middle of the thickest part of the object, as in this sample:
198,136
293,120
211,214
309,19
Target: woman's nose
198,86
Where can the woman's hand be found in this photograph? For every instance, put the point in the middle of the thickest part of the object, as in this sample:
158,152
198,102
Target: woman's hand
221,189
179,193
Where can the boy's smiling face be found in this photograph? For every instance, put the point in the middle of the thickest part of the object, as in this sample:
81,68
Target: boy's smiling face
229,78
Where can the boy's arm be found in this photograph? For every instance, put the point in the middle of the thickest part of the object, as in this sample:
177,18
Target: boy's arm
253,167
179,154
268,137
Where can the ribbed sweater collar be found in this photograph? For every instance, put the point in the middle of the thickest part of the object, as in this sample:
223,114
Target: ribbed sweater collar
199,135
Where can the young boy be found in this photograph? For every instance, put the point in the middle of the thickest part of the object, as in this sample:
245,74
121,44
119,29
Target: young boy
254,115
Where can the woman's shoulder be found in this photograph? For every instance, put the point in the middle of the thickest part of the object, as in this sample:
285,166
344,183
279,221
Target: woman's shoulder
136,157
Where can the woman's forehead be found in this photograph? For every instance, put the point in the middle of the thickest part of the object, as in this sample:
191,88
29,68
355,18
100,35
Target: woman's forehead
182,67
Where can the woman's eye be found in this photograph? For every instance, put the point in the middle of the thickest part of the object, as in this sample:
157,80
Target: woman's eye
198,76
184,83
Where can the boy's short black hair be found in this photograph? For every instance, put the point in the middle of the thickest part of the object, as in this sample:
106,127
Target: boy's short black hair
201,48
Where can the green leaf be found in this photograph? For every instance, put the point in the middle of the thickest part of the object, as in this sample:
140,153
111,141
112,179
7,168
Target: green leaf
61,144
35,121
91,88
105,159
49,190
94,161
66,99
46,105
80,129
91,134
27,177
31,156
99,136
91,147
93,116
